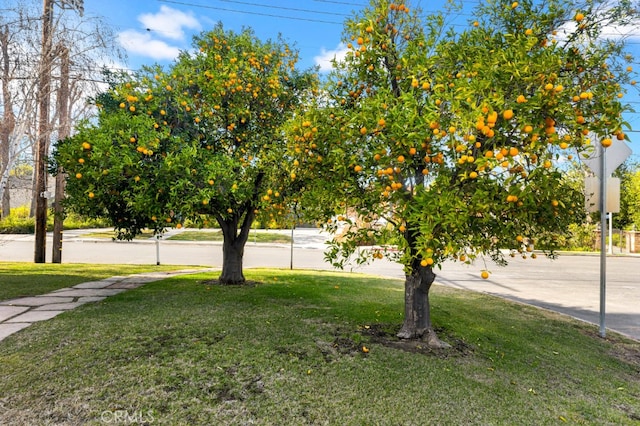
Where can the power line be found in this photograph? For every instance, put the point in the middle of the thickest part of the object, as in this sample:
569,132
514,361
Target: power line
283,8
252,13
342,2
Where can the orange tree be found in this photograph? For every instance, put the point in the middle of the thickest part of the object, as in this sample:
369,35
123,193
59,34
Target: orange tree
199,142
451,144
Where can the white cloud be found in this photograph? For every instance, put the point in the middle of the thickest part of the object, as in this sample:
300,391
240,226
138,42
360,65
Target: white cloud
325,58
169,23
143,44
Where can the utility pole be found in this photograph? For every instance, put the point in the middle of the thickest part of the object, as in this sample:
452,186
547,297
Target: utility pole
44,84
65,131
42,142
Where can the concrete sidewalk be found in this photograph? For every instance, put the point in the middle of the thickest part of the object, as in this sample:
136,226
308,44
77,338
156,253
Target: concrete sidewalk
16,314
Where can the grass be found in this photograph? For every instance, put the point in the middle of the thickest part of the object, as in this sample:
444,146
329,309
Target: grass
255,236
145,235
289,349
18,279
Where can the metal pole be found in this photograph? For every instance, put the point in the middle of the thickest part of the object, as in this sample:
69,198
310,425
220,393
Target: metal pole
291,264
158,250
42,142
603,241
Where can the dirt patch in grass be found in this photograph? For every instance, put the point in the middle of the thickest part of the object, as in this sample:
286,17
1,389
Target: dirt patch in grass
626,350
385,334
216,282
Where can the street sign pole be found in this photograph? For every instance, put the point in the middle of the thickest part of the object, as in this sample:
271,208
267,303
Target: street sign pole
600,161
603,240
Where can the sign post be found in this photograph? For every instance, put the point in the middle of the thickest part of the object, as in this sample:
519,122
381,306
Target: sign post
601,161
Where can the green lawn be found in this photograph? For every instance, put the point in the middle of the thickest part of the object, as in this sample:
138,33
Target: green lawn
19,279
290,349
145,235
260,236
255,236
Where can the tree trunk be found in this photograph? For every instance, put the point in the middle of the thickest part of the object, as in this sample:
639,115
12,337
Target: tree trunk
232,255
233,244
7,124
6,202
417,312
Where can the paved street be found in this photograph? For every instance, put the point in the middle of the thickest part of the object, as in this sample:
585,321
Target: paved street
569,284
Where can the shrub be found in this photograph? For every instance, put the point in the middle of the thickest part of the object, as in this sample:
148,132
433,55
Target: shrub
19,222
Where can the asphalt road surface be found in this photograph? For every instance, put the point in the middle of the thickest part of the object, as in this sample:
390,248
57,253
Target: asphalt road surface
569,284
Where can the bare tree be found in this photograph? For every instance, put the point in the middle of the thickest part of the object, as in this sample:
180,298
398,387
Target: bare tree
92,47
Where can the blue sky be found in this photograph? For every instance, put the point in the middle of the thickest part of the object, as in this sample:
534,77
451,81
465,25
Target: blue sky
154,31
